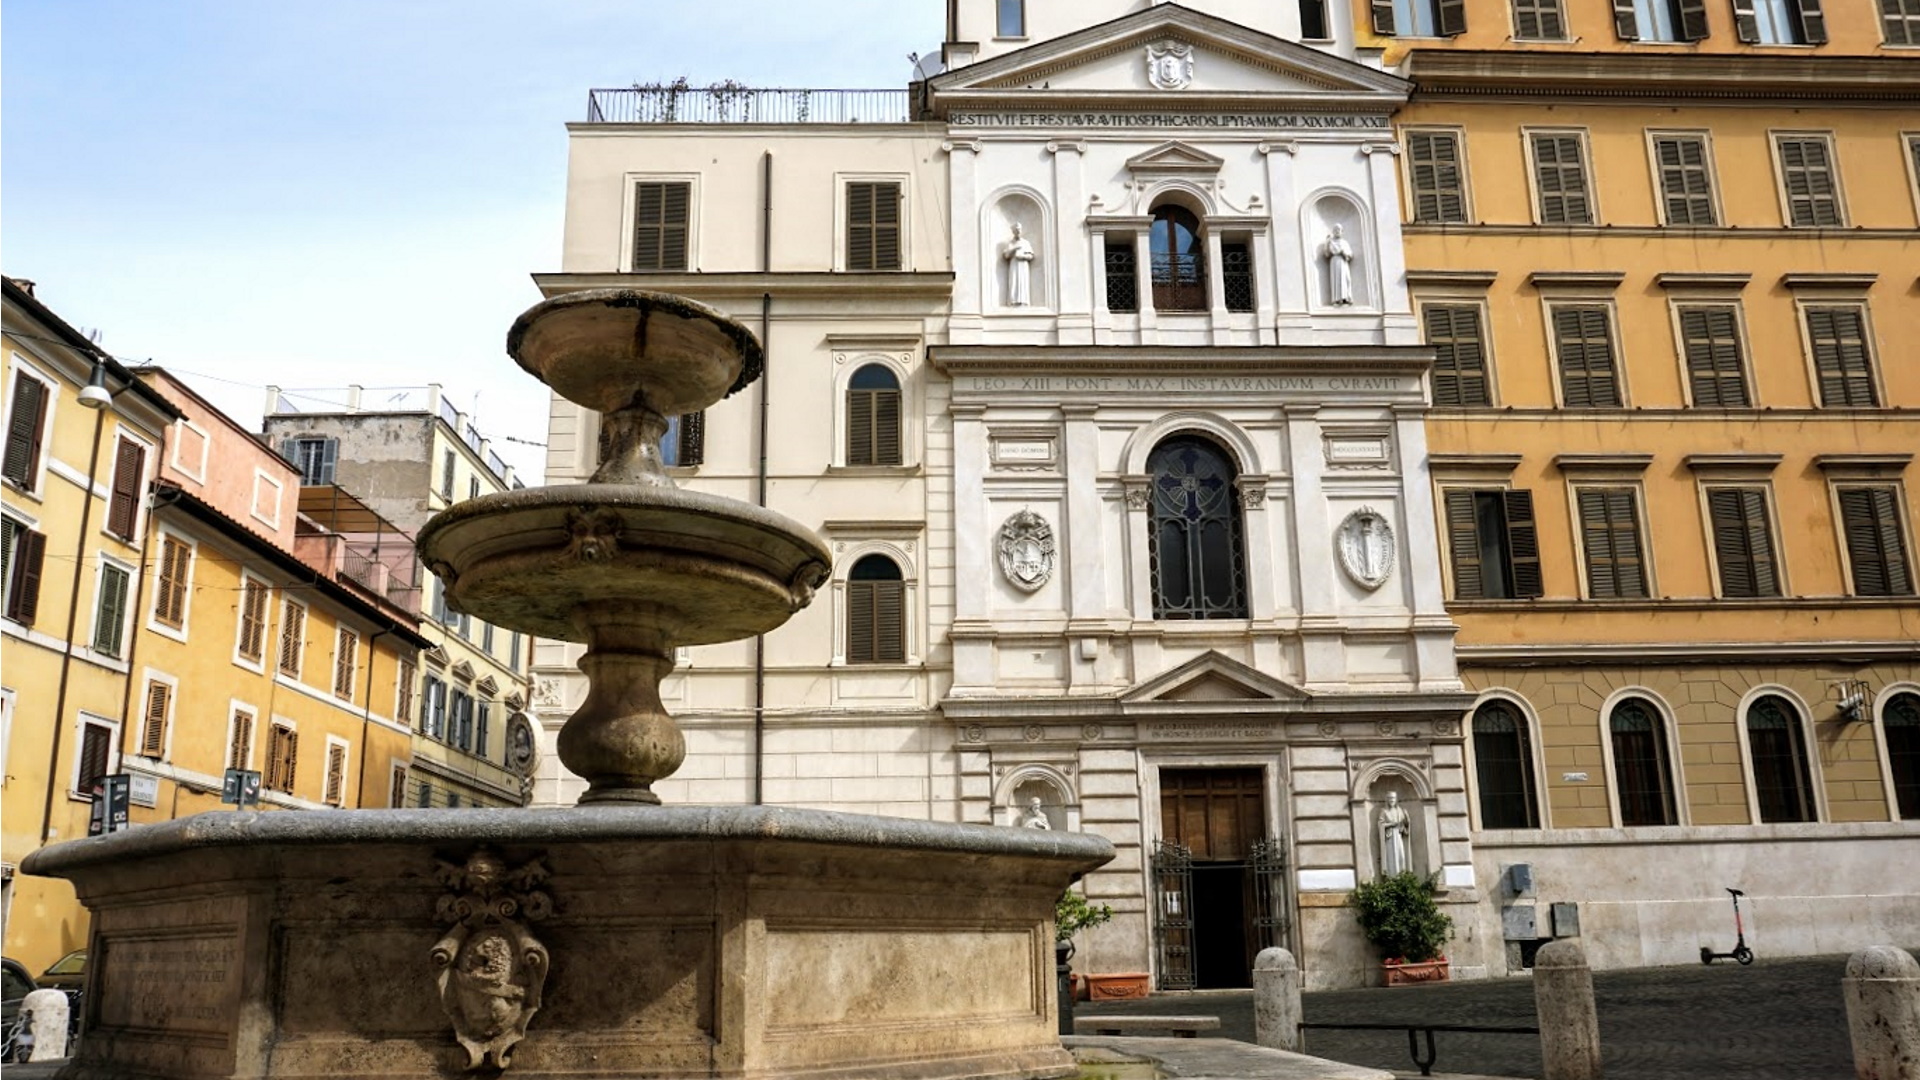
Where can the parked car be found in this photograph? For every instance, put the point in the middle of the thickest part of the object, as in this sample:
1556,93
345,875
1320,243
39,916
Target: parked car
17,983
69,973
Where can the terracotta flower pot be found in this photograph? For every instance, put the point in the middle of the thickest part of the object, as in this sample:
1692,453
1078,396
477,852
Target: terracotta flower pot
1404,974
1119,987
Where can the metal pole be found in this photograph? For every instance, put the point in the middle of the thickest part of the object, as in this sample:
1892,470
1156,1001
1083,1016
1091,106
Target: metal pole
73,613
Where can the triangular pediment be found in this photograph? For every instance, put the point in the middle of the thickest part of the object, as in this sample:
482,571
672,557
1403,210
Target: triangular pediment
1174,157
1212,676
1108,64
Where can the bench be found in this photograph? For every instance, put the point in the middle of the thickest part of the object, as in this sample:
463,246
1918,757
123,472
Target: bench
1186,1027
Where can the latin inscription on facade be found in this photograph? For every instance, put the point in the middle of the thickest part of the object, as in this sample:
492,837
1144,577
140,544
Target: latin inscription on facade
169,983
1186,384
1190,731
1250,121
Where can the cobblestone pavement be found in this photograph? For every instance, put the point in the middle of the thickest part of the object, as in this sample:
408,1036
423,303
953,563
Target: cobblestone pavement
1776,1020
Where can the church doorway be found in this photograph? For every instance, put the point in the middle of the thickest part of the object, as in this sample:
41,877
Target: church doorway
1220,880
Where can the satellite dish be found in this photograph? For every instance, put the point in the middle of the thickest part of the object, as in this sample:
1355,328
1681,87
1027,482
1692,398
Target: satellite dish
926,65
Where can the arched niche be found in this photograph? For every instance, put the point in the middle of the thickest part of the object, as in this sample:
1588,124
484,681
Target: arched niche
1319,215
1013,798
1373,791
1025,208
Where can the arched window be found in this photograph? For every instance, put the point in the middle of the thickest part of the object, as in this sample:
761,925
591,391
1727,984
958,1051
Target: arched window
1199,571
1503,768
873,417
1780,778
876,612
1179,263
1902,716
1640,773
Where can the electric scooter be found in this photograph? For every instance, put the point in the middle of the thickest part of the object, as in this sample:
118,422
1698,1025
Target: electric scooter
1740,951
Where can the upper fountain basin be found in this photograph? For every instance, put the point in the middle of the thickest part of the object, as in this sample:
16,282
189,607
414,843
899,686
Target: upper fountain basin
611,349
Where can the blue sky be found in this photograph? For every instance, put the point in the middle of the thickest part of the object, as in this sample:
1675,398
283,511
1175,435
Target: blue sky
263,191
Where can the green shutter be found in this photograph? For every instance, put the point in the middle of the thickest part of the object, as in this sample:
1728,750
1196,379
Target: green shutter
693,438
1585,352
110,614
1840,358
24,424
1438,194
1561,177
1610,536
1459,366
1715,375
1685,188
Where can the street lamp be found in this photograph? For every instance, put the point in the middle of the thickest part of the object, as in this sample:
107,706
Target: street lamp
96,395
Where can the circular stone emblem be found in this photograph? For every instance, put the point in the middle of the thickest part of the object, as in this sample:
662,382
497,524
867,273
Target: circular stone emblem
1026,551
1365,543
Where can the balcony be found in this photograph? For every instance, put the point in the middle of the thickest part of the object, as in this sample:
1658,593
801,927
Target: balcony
678,103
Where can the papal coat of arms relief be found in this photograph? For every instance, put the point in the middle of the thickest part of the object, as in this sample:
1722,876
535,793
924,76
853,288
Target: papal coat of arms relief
1365,545
1026,551
1170,65
491,969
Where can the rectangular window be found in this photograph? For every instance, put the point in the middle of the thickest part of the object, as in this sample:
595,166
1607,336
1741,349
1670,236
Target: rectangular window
240,740
1610,537
26,428
335,791
1716,373
1313,20
1539,20
315,457
23,553
1434,162
110,611
129,472
403,692
1876,543
1841,360
1123,276
433,709
1583,348
1900,21
876,622
513,652
480,727
1460,359
1493,545
1419,18
1236,274
252,638
447,463
153,719
1780,22
486,638
283,758
96,754
660,212
1010,18
171,589
1560,179
1686,188
461,720
873,226
425,796
1660,20
346,658
1743,541
397,794
685,442
293,637
1807,179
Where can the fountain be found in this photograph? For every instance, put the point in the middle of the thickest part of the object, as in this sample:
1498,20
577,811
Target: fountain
617,938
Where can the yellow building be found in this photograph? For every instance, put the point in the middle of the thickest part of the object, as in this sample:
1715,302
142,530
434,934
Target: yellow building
77,463
1665,252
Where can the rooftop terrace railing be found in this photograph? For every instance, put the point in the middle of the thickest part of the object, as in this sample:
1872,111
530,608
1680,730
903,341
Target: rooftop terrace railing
678,103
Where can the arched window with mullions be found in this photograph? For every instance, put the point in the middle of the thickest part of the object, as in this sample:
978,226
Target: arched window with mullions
1179,260
1503,768
1199,569
873,417
1782,784
1641,776
876,612
1902,721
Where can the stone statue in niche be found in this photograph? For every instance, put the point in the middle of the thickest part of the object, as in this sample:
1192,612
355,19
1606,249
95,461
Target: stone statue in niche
1020,256
1339,268
1396,849
1035,815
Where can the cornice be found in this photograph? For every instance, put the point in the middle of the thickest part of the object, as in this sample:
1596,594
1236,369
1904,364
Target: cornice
1691,653
1445,74
1480,279
902,283
1319,359
1730,282
1678,234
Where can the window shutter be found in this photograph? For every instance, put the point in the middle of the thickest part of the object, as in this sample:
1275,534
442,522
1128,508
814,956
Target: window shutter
329,460
1806,171
1523,545
253,618
289,766
1813,22
1742,543
1838,336
293,626
860,622
1899,26
1463,542
1459,368
111,614
336,774
1686,191
1875,544
346,648
860,441
23,592
1712,341
886,227
886,427
1693,19
23,429
1745,26
889,622
240,749
123,506
397,796
96,754
1586,358
153,731
1610,535
1382,11
1453,17
673,227
660,226
1626,26
1560,174
859,226
693,438
1438,195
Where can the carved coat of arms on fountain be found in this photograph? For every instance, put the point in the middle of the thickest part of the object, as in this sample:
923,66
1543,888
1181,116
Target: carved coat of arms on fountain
492,970
1026,551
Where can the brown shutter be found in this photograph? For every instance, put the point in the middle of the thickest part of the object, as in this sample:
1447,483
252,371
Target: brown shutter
336,774
886,227
1459,367
1610,535
346,647
23,592
1560,174
24,429
240,749
291,763
397,797
253,619
859,226
860,441
96,753
886,427
1875,542
123,506
660,226
1438,195
1685,189
673,227
1453,17
1840,361
1806,171
293,626
1745,26
1523,545
1813,23
153,732
693,438
1626,26
1382,11
860,622
1586,358
1742,542
1693,19
1711,339
1463,542
889,622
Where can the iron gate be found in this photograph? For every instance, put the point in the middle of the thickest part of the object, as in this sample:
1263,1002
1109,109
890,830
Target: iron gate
1267,875
1173,914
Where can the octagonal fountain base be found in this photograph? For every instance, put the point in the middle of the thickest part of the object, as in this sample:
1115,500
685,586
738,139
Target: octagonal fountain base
610,941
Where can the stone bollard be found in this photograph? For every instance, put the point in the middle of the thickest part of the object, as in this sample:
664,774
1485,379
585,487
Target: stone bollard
48,1009
1276,1000
1569,1025
1882,988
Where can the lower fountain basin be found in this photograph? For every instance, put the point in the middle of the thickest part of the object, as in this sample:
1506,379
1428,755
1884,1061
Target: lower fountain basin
674,942
711,569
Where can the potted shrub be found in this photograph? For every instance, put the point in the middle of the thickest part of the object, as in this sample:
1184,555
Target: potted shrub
1399,916
1072,914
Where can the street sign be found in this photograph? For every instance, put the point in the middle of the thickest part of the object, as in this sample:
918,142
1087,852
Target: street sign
110,801
240,788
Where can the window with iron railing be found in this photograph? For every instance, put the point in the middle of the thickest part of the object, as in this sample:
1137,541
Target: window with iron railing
1236,274
1123,280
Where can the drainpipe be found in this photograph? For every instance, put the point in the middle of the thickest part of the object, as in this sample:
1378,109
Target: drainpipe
133,632
760,490
73,613
366,716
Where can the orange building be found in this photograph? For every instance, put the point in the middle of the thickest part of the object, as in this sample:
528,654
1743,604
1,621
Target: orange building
1665,251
